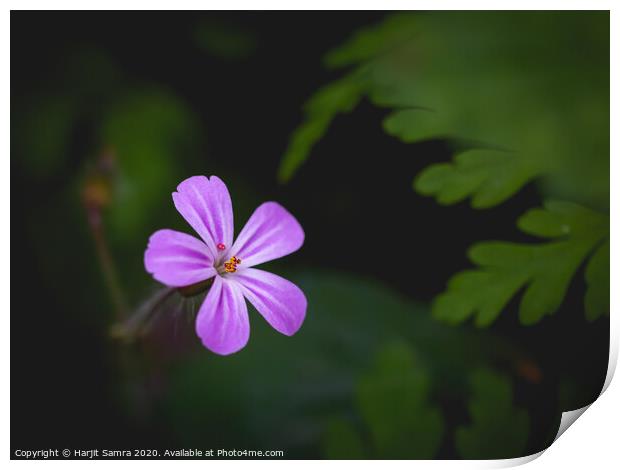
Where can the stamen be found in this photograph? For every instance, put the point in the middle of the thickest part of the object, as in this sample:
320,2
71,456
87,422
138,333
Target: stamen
231,265
221,246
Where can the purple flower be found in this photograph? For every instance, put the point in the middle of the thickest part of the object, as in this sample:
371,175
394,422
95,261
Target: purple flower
178,260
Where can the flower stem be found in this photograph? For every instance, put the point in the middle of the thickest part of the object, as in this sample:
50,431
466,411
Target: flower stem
107,264
134,326
96,196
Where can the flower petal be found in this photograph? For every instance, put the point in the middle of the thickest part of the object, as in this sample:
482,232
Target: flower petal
222,322
178,259
271,232
206,205
278,300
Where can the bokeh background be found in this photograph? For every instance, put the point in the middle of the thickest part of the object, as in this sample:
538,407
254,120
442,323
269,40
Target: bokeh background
110,111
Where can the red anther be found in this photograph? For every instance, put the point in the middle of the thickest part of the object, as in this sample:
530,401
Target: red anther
221,246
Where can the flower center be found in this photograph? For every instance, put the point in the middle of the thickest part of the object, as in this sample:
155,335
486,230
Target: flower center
231,265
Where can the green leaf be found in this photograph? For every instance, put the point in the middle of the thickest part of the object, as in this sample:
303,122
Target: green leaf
393,400
542,98
342,441
488,176
563,219
544,271
498,429
338,97
597,277
371,42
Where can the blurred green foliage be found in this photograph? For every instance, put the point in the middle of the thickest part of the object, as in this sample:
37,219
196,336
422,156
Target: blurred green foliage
51,119
151,132
360,383
498,429
70,98
342,441
393,399
224,40
544,269
89,108
521,96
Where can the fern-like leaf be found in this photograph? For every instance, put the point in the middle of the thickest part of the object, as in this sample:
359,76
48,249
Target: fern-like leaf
542,97
393,399
337,97
544,270
498,430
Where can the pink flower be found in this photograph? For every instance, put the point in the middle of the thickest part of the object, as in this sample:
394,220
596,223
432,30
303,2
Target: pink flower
178,260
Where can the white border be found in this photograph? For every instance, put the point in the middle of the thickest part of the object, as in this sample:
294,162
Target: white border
592,442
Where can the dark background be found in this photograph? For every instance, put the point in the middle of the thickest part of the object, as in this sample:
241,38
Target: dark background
353,197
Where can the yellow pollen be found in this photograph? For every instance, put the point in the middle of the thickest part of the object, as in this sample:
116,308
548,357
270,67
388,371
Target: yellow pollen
231,265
